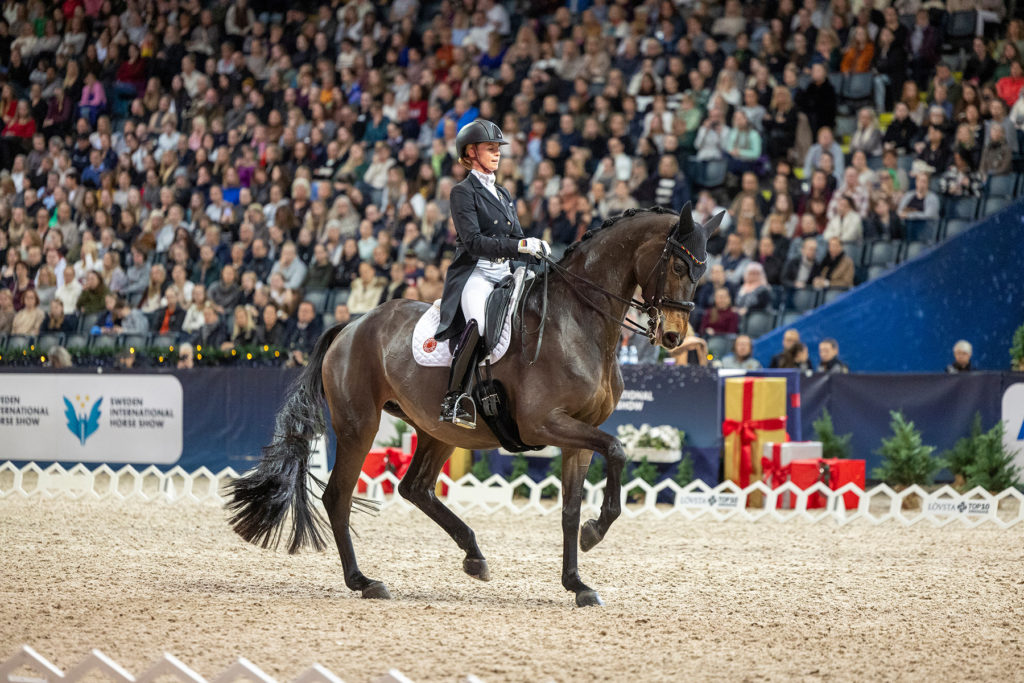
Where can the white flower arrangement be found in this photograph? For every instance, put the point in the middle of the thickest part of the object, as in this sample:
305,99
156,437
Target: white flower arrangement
662,437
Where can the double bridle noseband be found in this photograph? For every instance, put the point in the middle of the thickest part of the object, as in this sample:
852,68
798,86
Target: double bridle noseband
651,306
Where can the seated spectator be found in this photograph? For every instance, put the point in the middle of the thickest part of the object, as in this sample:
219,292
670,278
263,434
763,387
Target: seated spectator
225,294
801,271
846,225
819,100
153,296
828,353
780,124
431,285
997,155
754,294
275,331
742,145
902,130
69,292
711,138
16,136
826,143
186,357
790,337
962,352
733,259
934,150
342,316
924,47
171,317
883,223
921,204
29,319
836,270
866,138
667,187
960,179
1009,87
7,311
366,290
94,294
211,334
771,259
57,321
890,62
194,317
796,357
245,332
303,331
741,357
721,318
859,53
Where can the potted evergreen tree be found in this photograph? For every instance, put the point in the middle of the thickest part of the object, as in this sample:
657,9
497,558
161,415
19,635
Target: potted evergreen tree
907,461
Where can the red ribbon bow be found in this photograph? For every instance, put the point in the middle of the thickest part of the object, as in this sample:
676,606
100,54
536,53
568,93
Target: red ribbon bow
775,473
747,429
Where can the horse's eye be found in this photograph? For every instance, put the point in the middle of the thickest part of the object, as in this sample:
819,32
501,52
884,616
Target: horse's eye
679,268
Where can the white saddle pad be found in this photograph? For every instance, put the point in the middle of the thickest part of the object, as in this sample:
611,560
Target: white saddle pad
431,353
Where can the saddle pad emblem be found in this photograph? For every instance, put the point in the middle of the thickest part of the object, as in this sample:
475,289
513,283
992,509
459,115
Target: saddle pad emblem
429,345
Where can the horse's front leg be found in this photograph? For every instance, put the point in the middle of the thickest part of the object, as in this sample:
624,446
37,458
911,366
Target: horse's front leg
567,432
574,473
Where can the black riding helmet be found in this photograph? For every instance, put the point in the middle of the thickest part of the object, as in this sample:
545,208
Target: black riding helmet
476,131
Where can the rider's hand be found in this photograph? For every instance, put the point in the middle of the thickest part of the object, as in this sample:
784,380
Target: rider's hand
534,247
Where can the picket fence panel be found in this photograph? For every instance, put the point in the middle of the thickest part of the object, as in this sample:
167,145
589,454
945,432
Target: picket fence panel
696,500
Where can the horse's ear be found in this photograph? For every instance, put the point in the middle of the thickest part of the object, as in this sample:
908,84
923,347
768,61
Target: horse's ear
685,226
711,227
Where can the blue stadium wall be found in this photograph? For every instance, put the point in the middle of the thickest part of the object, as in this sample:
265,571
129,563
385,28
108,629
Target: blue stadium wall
968,287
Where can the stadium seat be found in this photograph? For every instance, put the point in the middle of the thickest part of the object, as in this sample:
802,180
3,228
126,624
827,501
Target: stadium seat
87,322
338,296
877,271
922,230
103,341
836,78
845,125
19,342
955,226
995,204
965,207
134,341
803,300
48,340
757,323
318,298
831,295
882,253
858,87
720,345
78,340
165,341
913,249
1000,185
790,317
711,174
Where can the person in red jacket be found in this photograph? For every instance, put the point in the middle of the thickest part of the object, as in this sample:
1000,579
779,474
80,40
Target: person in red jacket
1008,87
16,136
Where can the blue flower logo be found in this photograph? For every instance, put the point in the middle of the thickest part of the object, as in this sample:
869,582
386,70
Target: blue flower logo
78,424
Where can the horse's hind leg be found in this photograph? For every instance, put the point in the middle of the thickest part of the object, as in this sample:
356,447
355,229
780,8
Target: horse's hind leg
417,486
355,434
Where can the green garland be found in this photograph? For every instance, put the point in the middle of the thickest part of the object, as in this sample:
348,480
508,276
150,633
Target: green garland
153,357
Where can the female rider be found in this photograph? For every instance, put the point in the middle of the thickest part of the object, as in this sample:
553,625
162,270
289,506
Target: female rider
489,236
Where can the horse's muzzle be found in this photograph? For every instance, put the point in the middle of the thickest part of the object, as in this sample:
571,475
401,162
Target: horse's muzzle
671,340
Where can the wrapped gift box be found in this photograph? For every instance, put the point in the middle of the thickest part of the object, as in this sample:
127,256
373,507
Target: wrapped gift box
776,460
834,473
755,414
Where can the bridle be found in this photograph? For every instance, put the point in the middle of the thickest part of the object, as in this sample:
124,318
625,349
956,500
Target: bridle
651,306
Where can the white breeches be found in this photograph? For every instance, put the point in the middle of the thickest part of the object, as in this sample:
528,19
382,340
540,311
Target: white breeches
480,284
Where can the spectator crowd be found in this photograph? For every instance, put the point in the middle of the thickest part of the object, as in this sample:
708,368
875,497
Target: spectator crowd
242,174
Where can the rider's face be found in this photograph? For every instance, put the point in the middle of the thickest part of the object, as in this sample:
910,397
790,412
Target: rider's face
487,156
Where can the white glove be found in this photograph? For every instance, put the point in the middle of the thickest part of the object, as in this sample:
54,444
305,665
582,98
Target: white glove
534,247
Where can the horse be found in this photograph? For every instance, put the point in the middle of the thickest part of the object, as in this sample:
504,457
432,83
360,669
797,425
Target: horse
558,397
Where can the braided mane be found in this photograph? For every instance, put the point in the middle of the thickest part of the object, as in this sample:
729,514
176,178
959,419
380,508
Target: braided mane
609,222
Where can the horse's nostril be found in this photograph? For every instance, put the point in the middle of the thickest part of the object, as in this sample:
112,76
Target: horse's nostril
671,339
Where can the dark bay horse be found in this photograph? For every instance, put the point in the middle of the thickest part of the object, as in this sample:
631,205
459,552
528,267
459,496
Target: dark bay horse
559,400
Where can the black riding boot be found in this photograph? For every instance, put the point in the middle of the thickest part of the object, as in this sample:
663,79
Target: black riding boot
458,407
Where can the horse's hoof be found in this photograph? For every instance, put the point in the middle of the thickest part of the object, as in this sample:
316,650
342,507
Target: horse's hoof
588,598
376,591
589,535
477,568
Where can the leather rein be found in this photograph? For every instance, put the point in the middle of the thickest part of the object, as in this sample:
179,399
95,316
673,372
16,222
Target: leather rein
652,306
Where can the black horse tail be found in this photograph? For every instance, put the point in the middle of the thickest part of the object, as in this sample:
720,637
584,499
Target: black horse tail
260,500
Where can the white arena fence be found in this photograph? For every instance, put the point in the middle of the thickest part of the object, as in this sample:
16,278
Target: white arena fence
28,666
696,500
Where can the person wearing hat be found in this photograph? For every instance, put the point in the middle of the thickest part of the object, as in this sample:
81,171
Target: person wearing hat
489,236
